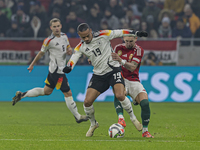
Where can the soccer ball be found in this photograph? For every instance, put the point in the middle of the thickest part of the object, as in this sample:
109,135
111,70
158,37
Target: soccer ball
116,131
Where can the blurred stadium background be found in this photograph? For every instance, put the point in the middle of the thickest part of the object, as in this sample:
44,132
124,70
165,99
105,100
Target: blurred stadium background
170,66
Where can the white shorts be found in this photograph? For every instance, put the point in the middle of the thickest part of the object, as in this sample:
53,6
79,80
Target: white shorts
133,88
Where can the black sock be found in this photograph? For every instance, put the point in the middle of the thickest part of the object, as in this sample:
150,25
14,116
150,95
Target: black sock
145,112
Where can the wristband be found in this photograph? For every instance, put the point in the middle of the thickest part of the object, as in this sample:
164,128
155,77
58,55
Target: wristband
123,62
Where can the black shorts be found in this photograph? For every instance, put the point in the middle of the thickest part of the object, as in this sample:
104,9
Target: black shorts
102,83
58,81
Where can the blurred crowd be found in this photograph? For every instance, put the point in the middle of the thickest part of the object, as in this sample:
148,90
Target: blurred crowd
160,18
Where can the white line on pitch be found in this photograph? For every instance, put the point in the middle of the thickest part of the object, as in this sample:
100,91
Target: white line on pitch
117,140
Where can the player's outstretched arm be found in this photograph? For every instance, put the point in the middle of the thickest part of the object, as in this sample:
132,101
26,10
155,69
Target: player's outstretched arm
37,57
73,60
111,34
137,33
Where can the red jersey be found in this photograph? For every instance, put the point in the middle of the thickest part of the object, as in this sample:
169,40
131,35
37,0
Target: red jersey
134,54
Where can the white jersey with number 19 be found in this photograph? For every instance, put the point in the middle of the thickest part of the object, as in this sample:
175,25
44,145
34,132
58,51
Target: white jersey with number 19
99,51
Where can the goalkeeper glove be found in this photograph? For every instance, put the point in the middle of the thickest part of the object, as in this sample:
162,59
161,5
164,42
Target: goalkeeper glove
67,69
141,33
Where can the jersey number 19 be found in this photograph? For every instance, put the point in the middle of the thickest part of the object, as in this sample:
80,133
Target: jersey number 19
96,52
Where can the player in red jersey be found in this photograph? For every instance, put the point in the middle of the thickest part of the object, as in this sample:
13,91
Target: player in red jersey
129,55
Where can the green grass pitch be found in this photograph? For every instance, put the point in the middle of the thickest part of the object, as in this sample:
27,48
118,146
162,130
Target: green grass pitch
51,126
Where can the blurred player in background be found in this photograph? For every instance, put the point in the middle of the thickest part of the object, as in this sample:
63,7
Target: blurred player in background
58,46
97,47
129,55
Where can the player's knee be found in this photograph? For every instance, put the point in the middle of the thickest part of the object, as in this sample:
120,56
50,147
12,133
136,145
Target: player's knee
87,103
68,94
48,92
144,103
120,96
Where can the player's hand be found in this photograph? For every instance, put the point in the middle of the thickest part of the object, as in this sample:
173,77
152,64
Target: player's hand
89,61
115,57
69,51
67,69
142,33
30,68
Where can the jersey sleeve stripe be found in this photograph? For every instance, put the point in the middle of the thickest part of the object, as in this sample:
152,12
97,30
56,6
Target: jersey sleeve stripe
47,41
71,63
126,31
78,47
139,51
105,32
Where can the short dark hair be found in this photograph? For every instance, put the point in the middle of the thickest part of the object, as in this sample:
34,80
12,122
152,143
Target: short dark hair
83,27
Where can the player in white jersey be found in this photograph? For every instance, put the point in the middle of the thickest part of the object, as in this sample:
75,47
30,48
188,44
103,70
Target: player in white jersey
58,46
107,72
